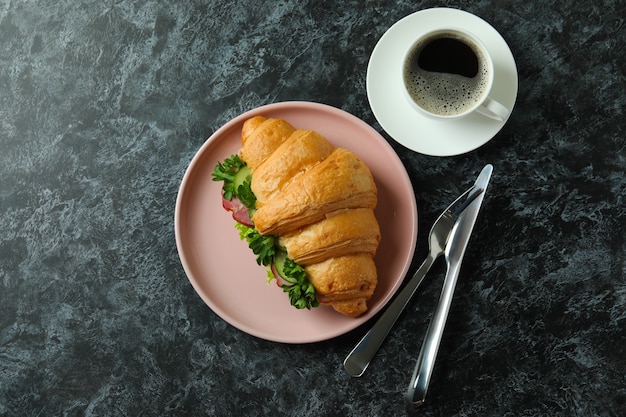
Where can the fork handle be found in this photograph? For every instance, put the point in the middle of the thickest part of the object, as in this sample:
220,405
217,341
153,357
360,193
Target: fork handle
360,357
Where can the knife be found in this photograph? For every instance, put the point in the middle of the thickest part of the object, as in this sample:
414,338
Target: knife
454,252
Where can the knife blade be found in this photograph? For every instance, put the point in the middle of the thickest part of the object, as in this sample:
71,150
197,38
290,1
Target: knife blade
416,393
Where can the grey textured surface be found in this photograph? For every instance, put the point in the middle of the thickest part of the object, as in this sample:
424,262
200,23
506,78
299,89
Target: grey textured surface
102,106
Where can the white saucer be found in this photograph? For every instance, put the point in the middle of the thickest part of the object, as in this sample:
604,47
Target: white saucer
418,132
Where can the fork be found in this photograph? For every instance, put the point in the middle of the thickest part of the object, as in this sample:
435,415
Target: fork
360,357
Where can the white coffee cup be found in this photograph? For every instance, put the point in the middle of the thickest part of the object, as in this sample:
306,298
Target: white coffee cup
448,74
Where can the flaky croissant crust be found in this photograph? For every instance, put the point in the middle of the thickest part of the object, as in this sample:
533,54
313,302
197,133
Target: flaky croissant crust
319,200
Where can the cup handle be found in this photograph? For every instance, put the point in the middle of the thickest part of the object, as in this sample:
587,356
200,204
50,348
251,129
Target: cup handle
493,110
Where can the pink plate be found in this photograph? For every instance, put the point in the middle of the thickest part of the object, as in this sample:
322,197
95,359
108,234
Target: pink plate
222,269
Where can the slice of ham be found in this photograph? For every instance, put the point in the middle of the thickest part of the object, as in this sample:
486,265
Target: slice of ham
238,210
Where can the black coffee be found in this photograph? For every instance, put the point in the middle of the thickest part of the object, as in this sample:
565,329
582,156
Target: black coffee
446,73
450,56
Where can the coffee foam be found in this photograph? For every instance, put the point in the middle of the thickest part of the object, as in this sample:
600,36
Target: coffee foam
441,93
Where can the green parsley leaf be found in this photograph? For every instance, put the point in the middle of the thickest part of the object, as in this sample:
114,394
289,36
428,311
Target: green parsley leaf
300,290
225,171
264,247
245,194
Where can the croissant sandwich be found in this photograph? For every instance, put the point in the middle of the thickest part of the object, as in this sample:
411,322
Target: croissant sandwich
306,209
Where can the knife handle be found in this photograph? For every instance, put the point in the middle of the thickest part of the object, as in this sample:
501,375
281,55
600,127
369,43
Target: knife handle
360,357
418,386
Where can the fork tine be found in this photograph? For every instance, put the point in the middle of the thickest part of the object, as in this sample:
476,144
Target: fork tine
472,194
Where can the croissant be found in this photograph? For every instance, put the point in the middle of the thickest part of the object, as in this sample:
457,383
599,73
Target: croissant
342,233
319,201
300,151
339,182
346,282
268,135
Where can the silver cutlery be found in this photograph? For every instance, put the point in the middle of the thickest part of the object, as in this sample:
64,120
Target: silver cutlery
453,252
360,357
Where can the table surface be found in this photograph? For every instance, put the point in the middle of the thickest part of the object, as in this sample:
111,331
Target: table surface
104,104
